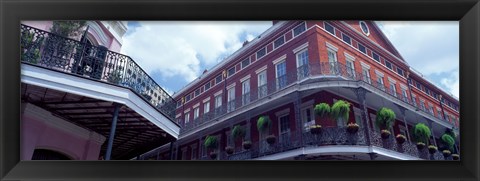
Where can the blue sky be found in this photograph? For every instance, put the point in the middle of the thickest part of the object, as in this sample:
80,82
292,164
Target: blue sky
175,53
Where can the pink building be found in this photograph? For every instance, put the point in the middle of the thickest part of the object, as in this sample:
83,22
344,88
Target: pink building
83,101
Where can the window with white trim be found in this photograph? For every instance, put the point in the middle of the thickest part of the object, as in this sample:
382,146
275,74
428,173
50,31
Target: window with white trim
196,113
246,92
332,59
404,94
280,74
366,74
218,102
262,84
350,67
218,79
393,89
358,116
302,64
187,117
364,28
231,99
231,71
380,82
414,99
206,107
307,116
262,52
284,129
362,48
422,104
388,64
346,39
194,153
375,56
278,42
329,28
207,86
299,29
245,63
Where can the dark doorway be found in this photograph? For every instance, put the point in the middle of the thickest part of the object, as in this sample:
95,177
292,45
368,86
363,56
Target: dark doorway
42,154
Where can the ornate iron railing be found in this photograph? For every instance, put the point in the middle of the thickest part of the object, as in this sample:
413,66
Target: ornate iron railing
51,51
334,136
324,69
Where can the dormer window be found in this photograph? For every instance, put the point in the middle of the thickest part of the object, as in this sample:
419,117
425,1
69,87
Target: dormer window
364,28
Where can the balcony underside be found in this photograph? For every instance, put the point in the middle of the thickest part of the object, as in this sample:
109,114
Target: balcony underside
90,104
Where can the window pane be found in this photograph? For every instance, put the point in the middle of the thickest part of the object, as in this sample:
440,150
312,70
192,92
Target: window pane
261,53
362,48
329,28
299,29
280,41
346,39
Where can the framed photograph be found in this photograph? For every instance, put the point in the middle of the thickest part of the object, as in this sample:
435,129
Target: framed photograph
163,90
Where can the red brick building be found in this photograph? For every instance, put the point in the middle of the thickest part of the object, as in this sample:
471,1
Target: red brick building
290,68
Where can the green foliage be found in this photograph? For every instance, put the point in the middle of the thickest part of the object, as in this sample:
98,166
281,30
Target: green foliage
322,110
422,133
451,133
385,118
341,109
68,28
211,142
448,140
264,123
30,47
238,132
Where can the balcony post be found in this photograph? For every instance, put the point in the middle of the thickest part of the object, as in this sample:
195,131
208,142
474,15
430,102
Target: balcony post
171,150
402,110
112,131
361,93
433,134
297,101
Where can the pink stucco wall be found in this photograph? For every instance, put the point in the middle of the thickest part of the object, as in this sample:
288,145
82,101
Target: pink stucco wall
112,43
37,134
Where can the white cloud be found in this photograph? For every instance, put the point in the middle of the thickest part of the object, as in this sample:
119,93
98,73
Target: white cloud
431,48
452,83
181,47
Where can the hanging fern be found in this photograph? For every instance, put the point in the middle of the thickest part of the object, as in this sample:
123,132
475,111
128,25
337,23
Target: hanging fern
341,109
238,132
211,142
451,133
422,133
264,123
322,110
385,118
448,140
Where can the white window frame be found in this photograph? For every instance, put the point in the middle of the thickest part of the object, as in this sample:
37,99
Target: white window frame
196,113
187,117
367,70
206,107
288,131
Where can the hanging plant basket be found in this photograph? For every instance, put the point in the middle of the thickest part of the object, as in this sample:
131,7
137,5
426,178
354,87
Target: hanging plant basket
446,153
400,139
455,156
213,155
352,128
385,134
229,150
247,145
432,149
316,129
271,139
420,145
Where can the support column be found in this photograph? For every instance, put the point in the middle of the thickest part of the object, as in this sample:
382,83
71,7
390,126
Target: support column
372,156
200,147
297,102
112,131
433,134
171,150
402,110
361,94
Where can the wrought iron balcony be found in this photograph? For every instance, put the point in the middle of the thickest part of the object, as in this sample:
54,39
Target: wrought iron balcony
322,69
334,136
51,51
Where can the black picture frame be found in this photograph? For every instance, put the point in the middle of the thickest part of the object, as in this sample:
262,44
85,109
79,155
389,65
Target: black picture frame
465,11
